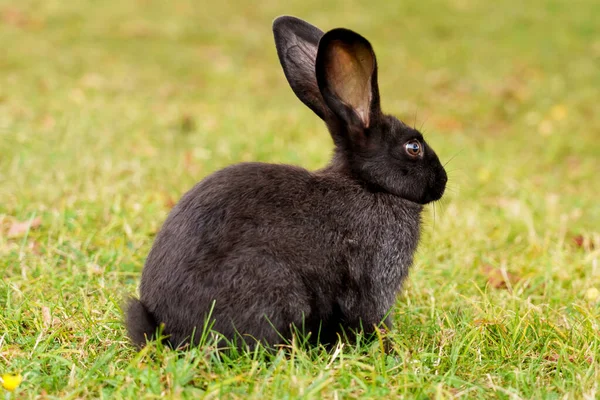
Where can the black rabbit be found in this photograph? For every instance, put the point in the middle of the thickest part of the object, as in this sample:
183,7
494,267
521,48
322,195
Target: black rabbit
273,248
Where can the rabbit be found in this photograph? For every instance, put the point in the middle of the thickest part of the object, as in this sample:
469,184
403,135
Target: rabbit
266,250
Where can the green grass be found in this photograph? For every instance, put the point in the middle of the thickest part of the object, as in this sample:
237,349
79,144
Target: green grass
111,110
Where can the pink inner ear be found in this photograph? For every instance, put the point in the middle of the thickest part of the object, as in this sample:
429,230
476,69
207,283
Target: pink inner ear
349,71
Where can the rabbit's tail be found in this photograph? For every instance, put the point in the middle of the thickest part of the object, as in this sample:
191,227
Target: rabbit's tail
141,325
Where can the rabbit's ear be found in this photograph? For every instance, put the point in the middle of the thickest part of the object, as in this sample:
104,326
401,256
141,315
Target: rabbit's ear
297,42
346,71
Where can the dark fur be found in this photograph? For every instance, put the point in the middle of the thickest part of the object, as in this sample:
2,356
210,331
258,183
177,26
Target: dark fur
276,246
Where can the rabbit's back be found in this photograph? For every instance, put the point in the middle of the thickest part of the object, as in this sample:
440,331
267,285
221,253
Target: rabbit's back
275,245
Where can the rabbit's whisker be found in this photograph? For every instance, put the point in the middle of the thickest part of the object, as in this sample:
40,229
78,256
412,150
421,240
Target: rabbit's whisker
452,158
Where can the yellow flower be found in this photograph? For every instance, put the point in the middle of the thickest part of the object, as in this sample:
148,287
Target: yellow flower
592,294
11,382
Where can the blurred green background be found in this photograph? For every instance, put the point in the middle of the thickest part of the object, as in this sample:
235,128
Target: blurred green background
111,110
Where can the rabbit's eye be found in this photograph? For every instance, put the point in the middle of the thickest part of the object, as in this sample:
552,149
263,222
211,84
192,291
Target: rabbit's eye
413,148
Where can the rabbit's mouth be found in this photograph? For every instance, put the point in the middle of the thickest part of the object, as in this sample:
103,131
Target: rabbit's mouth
435,189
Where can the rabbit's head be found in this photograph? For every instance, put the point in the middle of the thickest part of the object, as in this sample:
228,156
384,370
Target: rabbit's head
335,75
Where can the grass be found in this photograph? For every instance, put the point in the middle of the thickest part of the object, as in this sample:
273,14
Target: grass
110,111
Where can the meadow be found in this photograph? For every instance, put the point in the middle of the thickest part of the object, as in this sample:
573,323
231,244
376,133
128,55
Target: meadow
110,111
